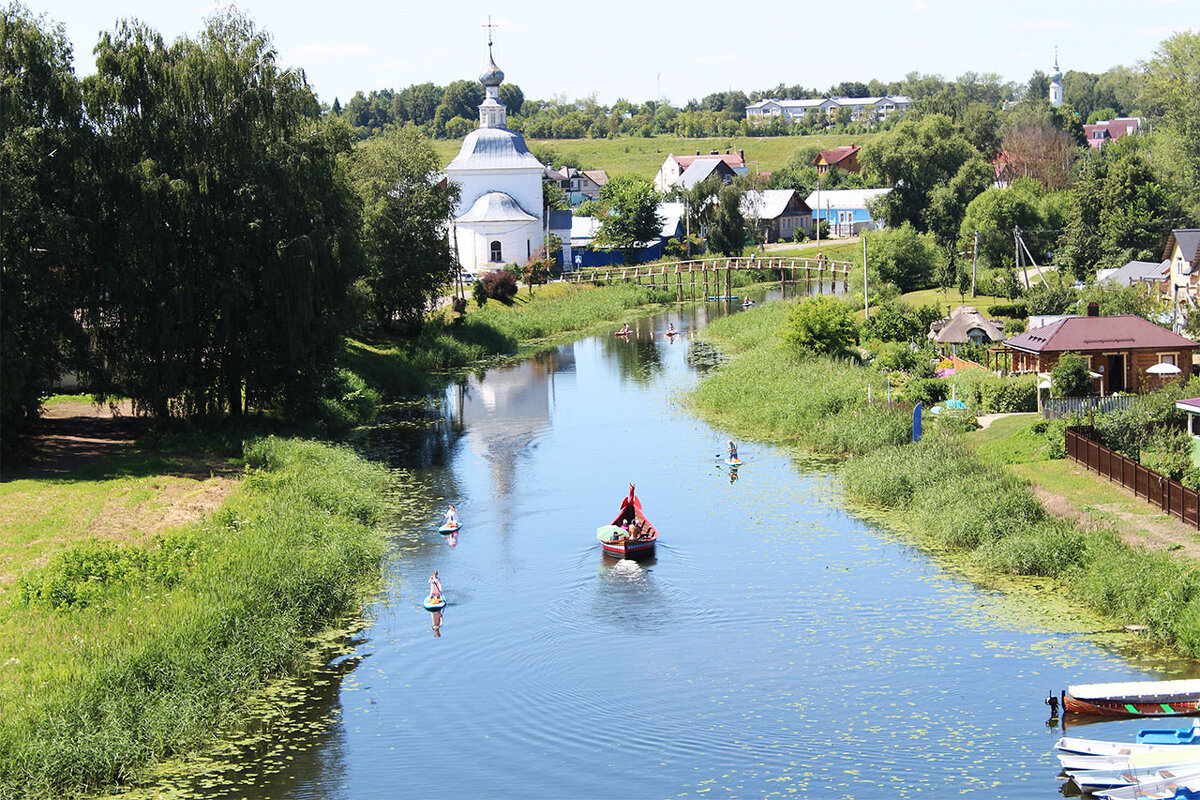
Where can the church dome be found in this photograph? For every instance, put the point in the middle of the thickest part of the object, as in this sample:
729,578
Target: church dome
491,75
494,148
496,207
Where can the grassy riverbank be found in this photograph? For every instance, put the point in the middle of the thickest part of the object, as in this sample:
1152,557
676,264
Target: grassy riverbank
399,366
115,654
940,490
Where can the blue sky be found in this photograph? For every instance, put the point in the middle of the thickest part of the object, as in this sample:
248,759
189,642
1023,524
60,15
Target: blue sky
678,50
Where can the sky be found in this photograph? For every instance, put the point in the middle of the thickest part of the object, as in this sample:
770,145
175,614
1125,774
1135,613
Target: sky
665,49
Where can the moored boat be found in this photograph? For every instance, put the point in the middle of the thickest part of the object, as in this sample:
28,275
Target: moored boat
630,535
1135,699
1146,740
1176,787
1164,756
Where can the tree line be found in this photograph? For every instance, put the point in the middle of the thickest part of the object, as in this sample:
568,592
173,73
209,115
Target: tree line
451,111
188,229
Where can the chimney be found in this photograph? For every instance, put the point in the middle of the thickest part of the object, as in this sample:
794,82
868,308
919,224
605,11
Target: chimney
1093,309
697,152
742,155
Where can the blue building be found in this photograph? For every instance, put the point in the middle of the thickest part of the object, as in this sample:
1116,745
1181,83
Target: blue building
845,210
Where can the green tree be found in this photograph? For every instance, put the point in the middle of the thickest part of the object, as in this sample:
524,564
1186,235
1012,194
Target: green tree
44,183
915,157
822,325
1172,92
632,219
903,256
405,213
727,228
1070,377
228,231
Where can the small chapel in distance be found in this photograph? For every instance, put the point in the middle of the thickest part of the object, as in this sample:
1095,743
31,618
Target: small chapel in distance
500,217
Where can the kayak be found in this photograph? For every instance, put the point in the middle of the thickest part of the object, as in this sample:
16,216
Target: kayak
434,605
449,528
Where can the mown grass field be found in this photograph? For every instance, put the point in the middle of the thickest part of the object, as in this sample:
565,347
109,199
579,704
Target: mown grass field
643,157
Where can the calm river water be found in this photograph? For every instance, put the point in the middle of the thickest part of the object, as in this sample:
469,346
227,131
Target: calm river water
778,645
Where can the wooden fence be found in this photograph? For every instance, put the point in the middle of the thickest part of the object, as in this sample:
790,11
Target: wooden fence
1057,407
1169,495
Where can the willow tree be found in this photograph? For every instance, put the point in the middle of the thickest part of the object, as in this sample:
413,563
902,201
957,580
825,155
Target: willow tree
42,178
406,211
228,233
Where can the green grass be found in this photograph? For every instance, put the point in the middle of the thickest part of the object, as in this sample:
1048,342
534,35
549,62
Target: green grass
643,157
118,654
949,297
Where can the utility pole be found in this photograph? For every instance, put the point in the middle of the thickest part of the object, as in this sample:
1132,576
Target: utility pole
866,288
974,262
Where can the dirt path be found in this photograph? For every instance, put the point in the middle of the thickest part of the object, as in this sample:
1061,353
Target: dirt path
1137,522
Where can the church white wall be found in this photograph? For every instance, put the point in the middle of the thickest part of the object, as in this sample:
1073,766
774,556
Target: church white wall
517,241
522,185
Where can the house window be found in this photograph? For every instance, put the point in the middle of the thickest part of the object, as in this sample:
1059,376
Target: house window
496,256
1167,359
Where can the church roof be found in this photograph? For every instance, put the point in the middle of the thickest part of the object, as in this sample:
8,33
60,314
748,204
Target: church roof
494,148
496,207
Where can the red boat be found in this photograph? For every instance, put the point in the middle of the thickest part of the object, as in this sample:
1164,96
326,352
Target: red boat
1137,699
630,535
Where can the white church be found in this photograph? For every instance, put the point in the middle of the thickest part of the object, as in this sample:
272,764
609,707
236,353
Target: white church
499,218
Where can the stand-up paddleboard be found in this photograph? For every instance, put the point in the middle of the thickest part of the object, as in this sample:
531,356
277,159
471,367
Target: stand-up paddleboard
722,297
434,605
733,462
448,529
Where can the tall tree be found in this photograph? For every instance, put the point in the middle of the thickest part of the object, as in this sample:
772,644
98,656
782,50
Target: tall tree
1172,92
229,228
632,219
915,157
42,180
406,211
727,230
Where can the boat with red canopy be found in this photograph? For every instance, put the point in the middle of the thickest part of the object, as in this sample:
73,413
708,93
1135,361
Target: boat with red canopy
630,535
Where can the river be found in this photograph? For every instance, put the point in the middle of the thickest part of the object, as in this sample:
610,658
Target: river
777,645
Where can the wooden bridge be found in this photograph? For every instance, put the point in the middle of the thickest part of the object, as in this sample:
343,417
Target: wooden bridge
712,277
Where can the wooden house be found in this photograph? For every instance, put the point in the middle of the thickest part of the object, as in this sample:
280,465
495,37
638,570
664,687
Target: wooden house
1119,349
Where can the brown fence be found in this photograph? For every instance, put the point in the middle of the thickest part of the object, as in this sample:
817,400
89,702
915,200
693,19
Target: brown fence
1169,495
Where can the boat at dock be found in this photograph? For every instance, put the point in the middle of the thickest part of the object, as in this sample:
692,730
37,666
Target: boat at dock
630,535
1147,739
1134,699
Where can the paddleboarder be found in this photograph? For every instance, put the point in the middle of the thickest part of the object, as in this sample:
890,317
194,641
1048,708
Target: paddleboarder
732,451
451,517
435,586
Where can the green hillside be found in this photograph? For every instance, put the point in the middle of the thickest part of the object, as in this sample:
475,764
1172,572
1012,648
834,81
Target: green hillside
644,156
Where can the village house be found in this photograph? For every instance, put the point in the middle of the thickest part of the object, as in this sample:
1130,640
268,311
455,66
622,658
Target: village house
776,214
965,324
1183,283
701,170
673,167
1148,274
844,158
845,209
577,184
1119,350
1109,130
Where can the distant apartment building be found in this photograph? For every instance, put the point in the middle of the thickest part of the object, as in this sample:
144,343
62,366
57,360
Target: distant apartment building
861,108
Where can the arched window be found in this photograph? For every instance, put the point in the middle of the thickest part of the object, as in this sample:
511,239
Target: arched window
496,255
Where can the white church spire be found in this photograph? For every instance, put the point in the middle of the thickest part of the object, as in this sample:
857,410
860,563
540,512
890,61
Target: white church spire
491,111
1056,87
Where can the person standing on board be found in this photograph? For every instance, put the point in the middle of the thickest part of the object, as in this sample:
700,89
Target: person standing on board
732,451
435,586
451,517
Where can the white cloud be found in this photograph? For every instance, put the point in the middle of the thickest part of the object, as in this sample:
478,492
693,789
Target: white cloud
920,6
330,51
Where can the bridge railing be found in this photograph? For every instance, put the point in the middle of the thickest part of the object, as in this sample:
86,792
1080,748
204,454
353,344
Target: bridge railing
823,267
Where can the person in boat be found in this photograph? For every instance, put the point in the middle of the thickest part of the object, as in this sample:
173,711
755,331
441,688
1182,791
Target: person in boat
625,331
435,586
451,517
671,329
733,456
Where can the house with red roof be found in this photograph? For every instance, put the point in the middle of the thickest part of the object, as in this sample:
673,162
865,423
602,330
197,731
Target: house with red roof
1120,350
845,157
674,166
1109,130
